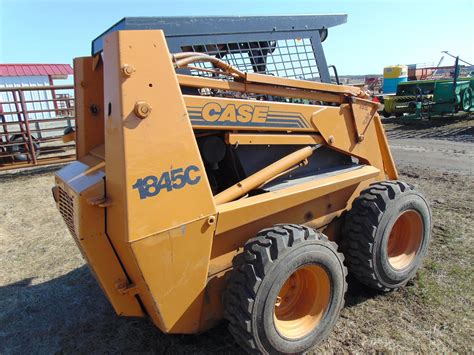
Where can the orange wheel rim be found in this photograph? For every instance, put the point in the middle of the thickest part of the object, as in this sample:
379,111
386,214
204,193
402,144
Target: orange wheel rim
302,302
405,239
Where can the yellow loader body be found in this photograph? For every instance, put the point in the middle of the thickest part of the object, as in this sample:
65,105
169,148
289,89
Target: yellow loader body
139,201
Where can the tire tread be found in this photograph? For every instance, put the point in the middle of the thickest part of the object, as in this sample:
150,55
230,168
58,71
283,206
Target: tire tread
250,269
361,225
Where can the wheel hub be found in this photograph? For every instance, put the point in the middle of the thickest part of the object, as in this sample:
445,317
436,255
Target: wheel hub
405,239
302,302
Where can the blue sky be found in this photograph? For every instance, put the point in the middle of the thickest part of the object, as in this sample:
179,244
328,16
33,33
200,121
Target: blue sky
378,33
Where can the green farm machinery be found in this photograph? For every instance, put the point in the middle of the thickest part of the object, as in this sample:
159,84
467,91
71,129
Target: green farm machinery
428,98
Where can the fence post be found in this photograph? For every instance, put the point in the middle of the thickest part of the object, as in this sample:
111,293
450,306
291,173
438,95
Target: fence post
16,99
27,126
5,129
18,111
4,125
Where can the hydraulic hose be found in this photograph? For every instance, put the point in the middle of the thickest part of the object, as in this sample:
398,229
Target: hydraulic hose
181,60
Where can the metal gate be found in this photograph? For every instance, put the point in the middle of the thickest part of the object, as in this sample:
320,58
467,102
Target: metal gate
32,123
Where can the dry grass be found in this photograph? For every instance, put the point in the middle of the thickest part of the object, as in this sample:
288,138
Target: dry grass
433,313
49,301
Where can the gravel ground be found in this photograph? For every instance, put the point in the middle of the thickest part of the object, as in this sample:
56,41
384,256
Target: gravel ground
50,303
442,145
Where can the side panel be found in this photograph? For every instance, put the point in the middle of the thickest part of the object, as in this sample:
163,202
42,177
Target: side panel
173,268
155,179
89,96
316,213
236,213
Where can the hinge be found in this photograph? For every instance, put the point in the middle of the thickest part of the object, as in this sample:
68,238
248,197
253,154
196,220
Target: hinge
125,287
100,201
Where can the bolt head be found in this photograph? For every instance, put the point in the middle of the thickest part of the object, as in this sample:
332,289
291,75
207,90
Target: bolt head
127,70
94,109
142,109
211,220
331,140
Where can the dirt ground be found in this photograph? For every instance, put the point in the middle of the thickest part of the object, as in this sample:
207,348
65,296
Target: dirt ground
50,303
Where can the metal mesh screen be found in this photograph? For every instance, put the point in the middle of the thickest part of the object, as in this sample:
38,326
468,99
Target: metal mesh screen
66,208
292,58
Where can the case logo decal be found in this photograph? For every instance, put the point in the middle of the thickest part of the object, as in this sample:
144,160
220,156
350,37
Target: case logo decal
244,115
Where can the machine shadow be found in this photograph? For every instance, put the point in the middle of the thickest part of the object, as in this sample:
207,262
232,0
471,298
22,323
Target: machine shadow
358,293
71,314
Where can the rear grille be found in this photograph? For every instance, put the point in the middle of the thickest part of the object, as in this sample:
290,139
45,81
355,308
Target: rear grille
66,208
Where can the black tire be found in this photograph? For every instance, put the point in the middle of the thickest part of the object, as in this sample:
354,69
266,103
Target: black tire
268,262
386,114
386,211
19,151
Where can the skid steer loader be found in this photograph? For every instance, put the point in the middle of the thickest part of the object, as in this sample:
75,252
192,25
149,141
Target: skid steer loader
220,175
